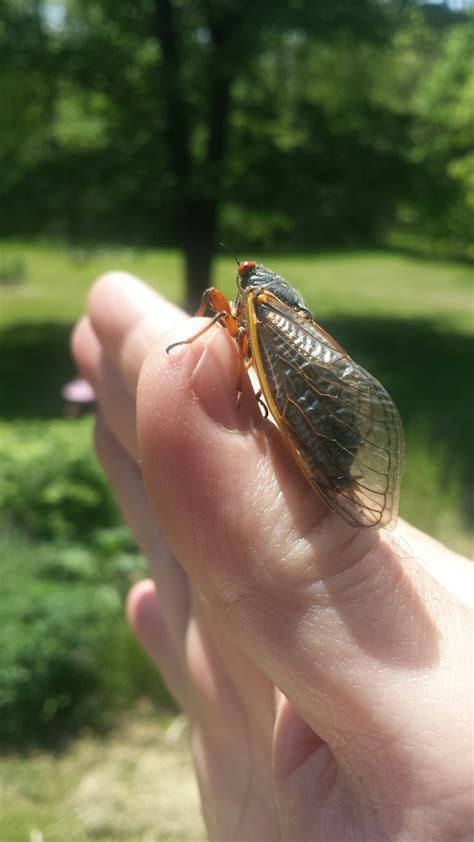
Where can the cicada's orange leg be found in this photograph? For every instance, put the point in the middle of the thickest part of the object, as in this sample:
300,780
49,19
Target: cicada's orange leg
216,302
213,299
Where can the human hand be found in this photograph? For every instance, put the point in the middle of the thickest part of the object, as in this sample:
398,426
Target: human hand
256,585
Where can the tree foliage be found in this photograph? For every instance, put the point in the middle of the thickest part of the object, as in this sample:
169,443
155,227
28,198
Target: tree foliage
179,121
445,125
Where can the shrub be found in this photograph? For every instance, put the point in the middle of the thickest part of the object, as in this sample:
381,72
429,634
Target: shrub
50,484
67,658
52,638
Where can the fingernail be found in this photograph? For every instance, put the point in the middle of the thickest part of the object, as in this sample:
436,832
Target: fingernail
214,381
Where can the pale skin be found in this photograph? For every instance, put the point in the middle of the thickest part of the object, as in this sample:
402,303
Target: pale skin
325,671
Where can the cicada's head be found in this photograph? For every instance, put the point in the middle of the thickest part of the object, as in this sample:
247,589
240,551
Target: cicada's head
245,273
251,275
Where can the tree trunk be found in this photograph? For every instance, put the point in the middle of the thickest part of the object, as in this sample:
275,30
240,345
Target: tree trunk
198,245
202,212
198,208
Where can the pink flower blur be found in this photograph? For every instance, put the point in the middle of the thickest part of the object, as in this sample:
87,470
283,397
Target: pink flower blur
78,391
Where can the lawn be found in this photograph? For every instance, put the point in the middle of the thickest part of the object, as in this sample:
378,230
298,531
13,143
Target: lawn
407,320
136,784
366,283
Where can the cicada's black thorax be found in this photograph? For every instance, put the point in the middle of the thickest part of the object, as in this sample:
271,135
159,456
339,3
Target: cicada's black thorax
255,276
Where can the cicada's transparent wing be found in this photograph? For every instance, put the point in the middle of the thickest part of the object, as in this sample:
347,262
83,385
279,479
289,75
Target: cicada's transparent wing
341,425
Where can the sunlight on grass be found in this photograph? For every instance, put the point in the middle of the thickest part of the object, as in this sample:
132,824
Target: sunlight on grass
57,279
137,784
374,283
370,283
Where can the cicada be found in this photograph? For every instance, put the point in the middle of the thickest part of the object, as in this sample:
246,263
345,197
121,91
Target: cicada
339,423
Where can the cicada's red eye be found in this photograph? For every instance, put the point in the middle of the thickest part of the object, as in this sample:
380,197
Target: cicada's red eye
246,266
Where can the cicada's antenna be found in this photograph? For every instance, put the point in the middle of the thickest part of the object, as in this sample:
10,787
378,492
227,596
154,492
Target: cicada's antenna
231,252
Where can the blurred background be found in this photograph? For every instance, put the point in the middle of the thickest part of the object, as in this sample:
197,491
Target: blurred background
334,142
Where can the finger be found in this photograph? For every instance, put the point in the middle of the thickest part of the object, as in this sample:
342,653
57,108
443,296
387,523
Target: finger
126,480
116,404
147,621
294,743
321,607
225,680
194,642
127,317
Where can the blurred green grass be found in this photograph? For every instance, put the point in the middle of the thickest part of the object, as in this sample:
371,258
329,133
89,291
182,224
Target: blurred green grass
406,319
369,283
105,789
57,278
